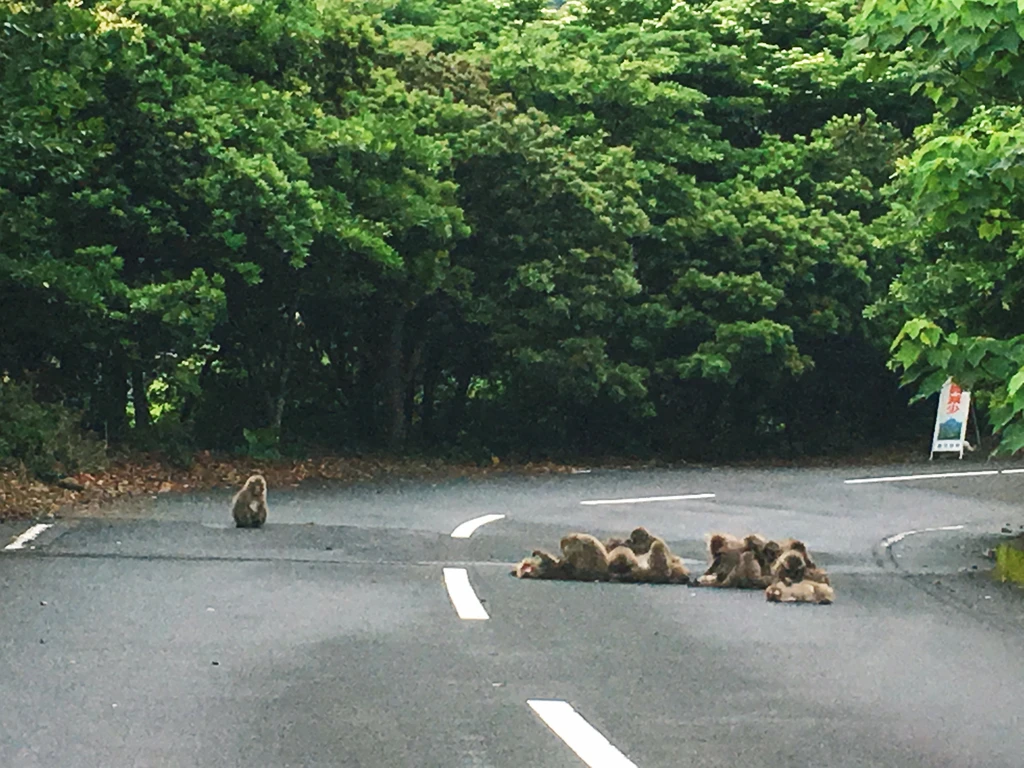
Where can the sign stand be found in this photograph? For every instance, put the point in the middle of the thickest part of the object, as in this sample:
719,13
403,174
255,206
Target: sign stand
951,420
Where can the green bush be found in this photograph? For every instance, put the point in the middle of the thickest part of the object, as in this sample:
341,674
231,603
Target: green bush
46,437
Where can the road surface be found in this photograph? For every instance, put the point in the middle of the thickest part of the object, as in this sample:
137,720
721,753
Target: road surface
331,637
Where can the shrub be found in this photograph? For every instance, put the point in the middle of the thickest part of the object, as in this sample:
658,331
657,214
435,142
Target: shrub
48,438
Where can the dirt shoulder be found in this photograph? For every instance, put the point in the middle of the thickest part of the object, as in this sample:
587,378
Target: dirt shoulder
140,477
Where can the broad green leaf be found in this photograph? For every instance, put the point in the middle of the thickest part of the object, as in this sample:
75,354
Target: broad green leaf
1015,383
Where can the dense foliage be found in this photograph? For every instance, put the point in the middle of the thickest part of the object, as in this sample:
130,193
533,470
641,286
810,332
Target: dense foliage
500,227
956,217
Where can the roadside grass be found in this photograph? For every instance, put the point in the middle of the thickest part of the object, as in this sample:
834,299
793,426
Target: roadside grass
1010,562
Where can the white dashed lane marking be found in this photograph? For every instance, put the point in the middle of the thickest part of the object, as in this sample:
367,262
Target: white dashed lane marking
896,538
648,499
465,530
933,476
466,603
580,736
27,536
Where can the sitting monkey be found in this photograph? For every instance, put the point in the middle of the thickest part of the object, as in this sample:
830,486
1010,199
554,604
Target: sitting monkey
663,567
249,506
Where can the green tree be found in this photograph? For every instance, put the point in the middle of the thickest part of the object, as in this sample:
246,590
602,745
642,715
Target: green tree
957,218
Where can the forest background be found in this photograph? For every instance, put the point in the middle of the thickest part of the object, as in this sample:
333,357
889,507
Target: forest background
499,230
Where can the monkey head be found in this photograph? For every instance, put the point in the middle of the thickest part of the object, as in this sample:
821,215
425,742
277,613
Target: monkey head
640,540
771,552
541,565
792,565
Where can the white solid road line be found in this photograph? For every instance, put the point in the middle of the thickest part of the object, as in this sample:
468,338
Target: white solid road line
465,530
931,476
646,499
581,737
466,603
27,536
896,538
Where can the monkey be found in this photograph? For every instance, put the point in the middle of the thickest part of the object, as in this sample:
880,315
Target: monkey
799,546
737,563
794,564
816,574
791,565
249,506
658,566
623,564
541,565
746,574
639,541
663,567
786,591
614,543
587,555
722,542
769,554
723,554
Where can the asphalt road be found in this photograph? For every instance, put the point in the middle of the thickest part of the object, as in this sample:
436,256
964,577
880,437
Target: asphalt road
329,639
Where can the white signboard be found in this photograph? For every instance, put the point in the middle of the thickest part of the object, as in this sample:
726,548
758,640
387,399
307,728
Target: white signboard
951,419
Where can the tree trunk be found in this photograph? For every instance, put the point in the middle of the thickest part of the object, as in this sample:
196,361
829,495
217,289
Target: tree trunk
140,400
271,384
458,409
394,380
430,376
113,396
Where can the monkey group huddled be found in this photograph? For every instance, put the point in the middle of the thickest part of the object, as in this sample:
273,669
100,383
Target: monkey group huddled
641,558
783,569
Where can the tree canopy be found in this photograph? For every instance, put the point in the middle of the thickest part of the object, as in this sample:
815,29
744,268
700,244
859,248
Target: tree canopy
690,229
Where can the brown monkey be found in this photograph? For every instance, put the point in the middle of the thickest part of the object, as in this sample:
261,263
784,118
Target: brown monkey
788,563
769,554
587,556
764,551
663,567
722,542
541,565
614,543
737,563
249,506
800,592
623,564
816,574
796,564
798,546
658,566
746,575
791,565
723,556
639,541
